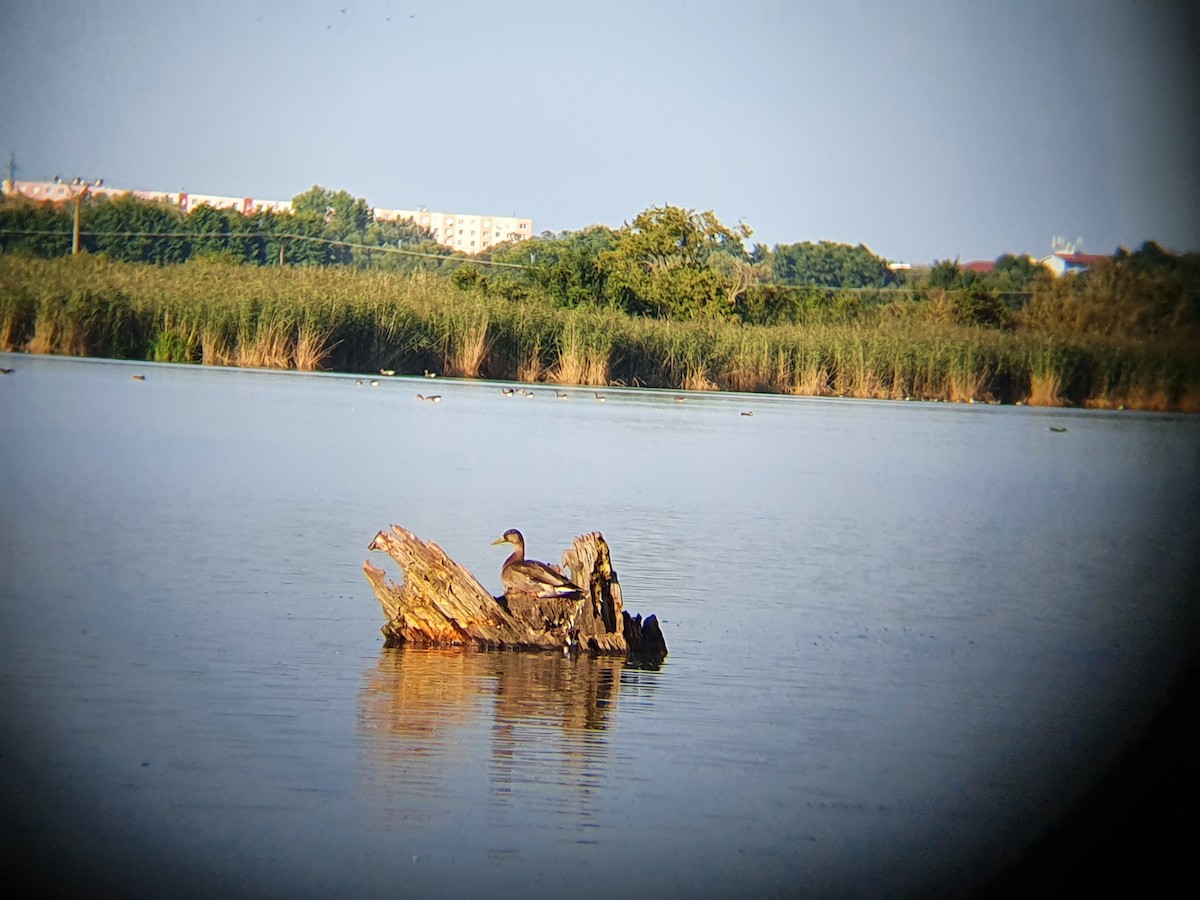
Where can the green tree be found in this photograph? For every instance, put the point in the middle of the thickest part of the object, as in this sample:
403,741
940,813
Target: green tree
829,264
134,230
565,266
660,264
1015,273
40,229
209,229
946,274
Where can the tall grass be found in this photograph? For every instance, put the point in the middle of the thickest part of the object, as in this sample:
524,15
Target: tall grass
217,313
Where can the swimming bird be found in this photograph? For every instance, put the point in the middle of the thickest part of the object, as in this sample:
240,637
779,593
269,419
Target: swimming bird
374,382
680,399
1057,429
747,413
6,371
429,374
387,371
600,398
139,377
528,576
561,395
432,398
507,392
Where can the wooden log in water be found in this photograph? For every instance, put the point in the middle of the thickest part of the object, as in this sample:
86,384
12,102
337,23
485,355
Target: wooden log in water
439,603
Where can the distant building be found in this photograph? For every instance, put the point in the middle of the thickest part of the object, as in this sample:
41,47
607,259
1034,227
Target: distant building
58,190
978,266
469,233
1063,263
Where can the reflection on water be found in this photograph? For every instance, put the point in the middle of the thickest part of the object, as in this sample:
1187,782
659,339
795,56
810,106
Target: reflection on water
541,719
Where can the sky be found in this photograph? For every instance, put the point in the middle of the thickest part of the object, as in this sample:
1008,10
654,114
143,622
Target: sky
927,131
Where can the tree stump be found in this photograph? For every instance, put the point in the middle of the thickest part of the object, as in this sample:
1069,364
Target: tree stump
439,603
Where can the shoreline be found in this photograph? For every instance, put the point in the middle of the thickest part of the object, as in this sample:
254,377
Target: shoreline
365,323
409,378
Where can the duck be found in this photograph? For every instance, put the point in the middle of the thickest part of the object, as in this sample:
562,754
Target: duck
139,377
388,372
561,395
432,398
507,392
530,577
600,398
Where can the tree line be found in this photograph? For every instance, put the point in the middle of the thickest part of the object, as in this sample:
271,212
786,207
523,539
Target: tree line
667,262
324,228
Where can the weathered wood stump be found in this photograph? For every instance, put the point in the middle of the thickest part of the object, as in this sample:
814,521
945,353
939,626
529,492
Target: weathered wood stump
440,603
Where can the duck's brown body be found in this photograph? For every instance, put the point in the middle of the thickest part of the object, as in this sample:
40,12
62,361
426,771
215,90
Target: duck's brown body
530,578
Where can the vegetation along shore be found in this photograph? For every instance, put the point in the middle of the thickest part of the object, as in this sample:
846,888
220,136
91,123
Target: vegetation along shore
672,299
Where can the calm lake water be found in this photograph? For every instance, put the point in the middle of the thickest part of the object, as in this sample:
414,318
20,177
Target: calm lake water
904,637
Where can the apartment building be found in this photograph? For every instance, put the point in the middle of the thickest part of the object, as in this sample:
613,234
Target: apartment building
469,233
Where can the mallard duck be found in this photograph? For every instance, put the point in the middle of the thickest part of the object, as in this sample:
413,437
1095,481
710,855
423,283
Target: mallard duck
528,576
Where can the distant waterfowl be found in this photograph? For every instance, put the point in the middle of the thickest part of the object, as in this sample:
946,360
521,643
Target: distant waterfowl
387,371
507,392
432,398
1057,428
528,576
374,382
747,413
561,395
6,371
526,393
429,374
679,399
358,381
139,377
600,398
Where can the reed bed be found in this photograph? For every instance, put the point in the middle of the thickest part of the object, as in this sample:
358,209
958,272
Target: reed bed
217,313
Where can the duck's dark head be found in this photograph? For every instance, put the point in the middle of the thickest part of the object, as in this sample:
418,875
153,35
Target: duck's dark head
512,536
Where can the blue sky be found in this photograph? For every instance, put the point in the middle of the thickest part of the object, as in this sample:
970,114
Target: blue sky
925,130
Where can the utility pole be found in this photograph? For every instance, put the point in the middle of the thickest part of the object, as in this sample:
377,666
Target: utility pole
75,232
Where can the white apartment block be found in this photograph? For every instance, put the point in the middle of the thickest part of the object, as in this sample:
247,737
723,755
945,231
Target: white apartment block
469,233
